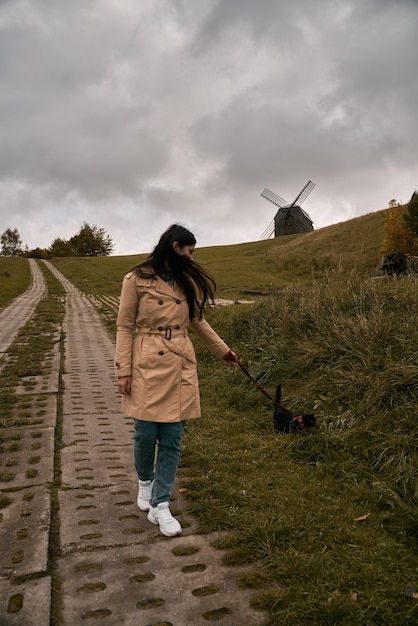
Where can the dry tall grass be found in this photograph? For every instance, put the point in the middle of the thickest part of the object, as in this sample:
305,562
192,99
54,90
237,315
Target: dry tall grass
331,513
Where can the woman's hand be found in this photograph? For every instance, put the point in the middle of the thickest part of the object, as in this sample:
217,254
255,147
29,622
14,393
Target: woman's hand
231,358
124,385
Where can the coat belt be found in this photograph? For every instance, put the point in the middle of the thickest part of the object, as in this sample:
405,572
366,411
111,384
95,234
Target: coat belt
167,333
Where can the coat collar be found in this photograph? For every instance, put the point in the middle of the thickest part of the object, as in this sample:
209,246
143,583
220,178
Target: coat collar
164,288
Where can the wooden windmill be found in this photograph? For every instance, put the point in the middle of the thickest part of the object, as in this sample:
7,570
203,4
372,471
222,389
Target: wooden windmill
290,218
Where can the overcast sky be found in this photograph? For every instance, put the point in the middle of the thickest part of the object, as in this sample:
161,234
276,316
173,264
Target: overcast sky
134,114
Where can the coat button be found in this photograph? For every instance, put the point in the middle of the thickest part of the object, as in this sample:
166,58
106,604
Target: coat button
160,328
160,302
177,327
161,353
178,301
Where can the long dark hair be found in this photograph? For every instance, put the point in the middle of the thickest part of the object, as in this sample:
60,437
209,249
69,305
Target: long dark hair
197,284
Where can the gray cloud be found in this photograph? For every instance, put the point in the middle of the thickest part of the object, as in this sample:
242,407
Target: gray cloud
134,115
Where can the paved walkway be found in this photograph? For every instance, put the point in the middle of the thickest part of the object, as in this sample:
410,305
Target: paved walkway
111,565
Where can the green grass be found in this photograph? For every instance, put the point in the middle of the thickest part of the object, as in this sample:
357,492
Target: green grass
97,275
15,278
328,519
352,355
349,249
331,515
235,268
26,356
335,253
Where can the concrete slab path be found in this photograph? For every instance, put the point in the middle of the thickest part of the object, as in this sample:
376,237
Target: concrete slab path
110,565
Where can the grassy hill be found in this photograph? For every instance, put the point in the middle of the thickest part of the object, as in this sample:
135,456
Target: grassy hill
349,249
334,253
329,516
14,278
331,513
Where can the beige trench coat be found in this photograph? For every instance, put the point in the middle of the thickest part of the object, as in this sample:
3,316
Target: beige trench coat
152,346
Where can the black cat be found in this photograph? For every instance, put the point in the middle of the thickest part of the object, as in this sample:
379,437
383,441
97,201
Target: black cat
287,422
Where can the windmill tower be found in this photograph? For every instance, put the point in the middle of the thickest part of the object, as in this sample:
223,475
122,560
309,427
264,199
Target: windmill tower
290,218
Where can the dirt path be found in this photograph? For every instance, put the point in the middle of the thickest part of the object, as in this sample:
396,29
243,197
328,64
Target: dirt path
111,564
14,316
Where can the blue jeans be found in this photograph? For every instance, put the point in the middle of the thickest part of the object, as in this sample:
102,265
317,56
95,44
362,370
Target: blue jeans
150,437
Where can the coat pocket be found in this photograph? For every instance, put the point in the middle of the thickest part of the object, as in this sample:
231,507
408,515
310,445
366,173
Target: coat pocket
141,357
183,347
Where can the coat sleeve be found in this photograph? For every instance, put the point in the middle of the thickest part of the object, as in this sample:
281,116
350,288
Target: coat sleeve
209,338
125,326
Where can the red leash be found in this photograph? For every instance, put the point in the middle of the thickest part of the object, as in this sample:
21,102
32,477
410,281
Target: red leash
260,388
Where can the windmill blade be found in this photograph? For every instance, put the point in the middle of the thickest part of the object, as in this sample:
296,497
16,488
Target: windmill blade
274,198
302,195
269,231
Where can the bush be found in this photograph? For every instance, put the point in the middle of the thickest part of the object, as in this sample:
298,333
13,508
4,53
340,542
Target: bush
401,228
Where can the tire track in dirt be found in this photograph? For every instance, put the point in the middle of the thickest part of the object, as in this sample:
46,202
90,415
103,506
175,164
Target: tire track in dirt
18,312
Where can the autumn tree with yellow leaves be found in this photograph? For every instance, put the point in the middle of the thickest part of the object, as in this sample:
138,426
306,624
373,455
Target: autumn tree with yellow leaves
401,226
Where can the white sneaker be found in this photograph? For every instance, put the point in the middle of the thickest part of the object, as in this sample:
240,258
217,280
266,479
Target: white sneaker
161,515
144,494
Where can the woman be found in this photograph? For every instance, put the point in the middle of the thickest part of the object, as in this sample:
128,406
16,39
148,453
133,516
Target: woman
156,365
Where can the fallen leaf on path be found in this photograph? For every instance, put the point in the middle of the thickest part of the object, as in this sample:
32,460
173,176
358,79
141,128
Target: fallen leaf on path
362,517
